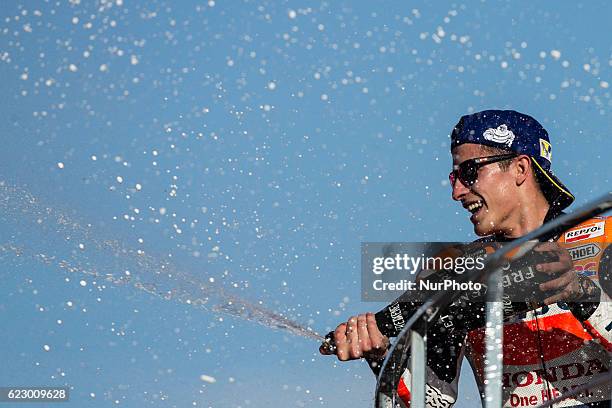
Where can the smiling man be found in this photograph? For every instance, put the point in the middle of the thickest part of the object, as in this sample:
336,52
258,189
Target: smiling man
501,175
514,197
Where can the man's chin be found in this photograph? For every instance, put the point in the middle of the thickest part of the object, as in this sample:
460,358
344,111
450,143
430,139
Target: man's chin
481,229
482,233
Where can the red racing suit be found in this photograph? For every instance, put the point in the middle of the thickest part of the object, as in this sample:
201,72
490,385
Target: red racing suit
547,351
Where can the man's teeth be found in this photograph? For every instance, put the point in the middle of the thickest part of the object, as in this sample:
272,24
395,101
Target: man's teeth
474,206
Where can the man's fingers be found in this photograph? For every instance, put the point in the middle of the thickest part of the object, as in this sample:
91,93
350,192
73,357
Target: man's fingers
380,343
547,247
362,331
560,282
562,264
356,338
568,282
353,338
553,247
553,267
342,347
340,334
566,295
377,339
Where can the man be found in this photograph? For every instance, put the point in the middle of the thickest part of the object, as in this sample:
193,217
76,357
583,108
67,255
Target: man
501,175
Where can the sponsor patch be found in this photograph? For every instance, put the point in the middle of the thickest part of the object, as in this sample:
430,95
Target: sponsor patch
595,229
500,135
584,251
545,150
588,269
563,372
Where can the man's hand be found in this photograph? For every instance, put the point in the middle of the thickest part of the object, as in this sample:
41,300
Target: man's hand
567,284
359,338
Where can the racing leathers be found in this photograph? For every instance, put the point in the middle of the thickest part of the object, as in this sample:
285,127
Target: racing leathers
547,351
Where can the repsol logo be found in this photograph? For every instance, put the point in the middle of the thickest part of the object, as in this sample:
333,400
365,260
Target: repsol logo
587,232
559,373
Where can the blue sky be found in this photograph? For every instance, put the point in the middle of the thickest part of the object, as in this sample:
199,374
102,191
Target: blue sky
251,147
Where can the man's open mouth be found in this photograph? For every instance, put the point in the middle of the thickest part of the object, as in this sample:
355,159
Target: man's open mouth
474,207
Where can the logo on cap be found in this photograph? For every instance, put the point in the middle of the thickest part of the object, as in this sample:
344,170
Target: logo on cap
500,135
545,150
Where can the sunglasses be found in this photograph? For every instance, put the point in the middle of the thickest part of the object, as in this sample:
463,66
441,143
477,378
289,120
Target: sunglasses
467,171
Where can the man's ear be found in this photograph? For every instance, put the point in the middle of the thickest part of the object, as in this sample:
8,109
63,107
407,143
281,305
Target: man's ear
522,169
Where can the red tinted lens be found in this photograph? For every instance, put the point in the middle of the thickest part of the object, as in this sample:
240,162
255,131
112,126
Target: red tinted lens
452,177
467,172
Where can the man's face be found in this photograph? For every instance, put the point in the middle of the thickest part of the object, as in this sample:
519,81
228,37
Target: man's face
491,200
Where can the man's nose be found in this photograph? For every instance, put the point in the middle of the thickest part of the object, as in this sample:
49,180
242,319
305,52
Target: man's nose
459,190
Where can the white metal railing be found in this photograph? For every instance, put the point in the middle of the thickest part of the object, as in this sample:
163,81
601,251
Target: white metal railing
411,342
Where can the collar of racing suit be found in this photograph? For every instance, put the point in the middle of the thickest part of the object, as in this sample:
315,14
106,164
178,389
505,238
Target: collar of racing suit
550,215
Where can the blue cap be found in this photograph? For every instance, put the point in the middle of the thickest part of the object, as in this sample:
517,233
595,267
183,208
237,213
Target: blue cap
518,133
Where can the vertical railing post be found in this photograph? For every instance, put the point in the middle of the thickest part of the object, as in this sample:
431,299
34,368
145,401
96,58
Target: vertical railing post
418,362
494,339
385,401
